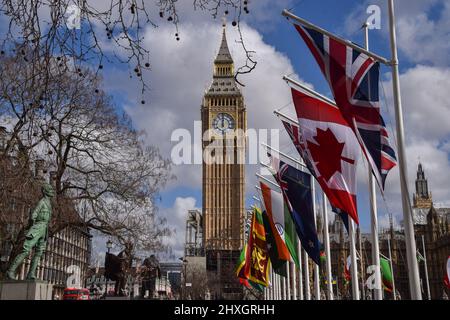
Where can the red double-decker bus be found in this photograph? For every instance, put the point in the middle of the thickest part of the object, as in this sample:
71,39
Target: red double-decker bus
76,294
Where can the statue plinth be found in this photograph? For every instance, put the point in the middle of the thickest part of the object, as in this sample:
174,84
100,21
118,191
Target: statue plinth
25,290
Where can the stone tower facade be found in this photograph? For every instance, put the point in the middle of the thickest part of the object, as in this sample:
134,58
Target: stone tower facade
422,198
224,122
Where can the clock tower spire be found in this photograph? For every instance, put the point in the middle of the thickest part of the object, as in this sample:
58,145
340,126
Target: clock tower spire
224,120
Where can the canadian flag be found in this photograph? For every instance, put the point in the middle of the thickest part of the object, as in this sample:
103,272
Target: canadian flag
329,148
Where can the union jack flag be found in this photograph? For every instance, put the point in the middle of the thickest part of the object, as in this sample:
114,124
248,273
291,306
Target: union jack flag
354,80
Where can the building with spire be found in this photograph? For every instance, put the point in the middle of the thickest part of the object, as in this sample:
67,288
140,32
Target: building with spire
224,120
422,198
432,230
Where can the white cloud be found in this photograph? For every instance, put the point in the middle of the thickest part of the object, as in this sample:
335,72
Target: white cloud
183,70
176,219
426,112
425,102
422,38
425,40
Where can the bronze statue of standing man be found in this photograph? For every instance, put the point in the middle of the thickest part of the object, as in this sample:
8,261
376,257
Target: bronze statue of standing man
36,236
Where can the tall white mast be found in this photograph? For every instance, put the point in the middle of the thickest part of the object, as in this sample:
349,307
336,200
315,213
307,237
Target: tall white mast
294,281
316,266
306,267
300,268
413,268
327,250
392,269
373,210
426,267
353,257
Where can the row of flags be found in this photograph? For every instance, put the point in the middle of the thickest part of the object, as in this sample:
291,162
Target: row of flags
267,246
353,77
328,135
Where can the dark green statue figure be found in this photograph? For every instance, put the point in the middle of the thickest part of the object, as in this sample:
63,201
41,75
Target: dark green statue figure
36,236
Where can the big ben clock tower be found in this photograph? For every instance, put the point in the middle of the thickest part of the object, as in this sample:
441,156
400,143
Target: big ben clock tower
224,120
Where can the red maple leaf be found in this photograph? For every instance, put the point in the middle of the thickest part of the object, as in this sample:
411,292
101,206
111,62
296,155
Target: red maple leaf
328,153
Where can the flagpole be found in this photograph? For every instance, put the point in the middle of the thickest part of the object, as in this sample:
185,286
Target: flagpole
288,280
285,117
309,91
392,268
354,267
298,162
279,287
327,248
373,209
307,286
300,267
361,263
426,267
294,282
348,43
284,286
275,287
413,268
267,180
316,266
271,283
275,282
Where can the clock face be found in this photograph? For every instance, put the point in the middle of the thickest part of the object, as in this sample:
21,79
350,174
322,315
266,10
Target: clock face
223,123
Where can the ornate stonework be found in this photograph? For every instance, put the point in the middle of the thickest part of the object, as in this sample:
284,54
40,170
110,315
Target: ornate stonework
223,111
422,198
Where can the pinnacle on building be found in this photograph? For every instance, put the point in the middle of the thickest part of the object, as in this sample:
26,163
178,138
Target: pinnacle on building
422,198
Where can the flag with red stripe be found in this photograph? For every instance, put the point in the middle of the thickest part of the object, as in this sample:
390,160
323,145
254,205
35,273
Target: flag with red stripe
329,148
